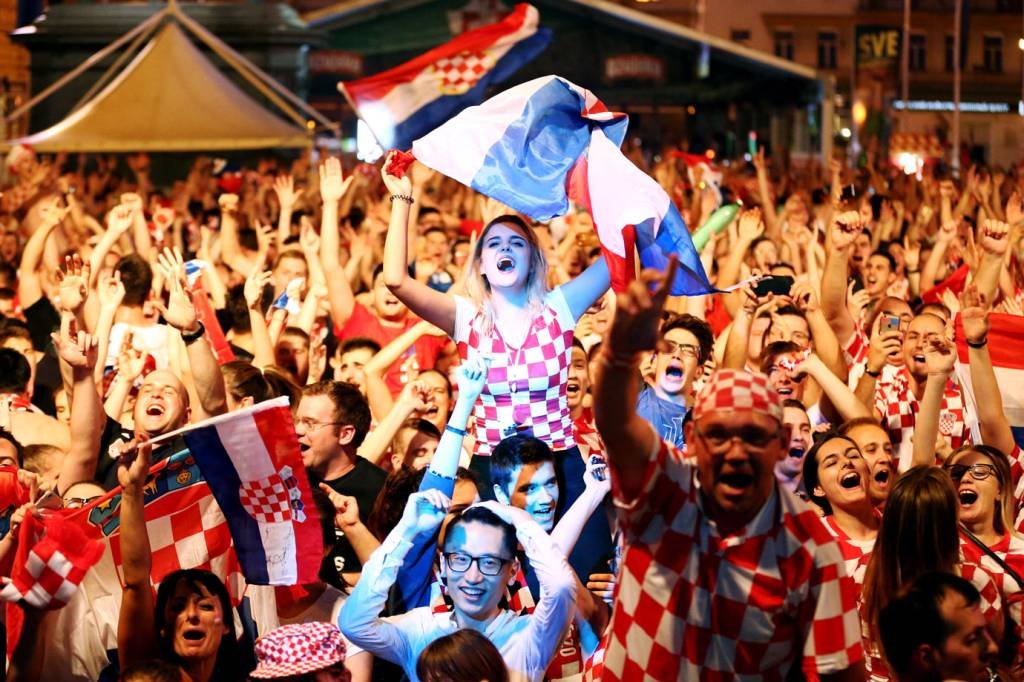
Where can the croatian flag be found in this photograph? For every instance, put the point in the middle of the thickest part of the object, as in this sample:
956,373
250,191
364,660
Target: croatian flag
251,461
1004,347
541,144
403,103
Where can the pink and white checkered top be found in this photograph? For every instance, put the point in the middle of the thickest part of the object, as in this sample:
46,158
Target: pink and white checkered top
525,386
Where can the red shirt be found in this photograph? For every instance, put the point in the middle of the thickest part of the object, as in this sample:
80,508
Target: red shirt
420,356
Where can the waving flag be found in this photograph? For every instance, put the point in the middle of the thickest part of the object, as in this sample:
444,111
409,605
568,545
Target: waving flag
251,461
411,99
1004,343
541,144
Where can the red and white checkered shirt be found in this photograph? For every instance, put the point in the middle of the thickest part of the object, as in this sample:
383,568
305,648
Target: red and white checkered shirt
1011,550
691,604
1016,457
855,350
525,386
856,553
588,440
991,607
899,407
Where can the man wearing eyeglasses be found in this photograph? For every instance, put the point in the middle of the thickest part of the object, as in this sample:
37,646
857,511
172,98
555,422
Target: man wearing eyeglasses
478,560
331,421
725,574
686,344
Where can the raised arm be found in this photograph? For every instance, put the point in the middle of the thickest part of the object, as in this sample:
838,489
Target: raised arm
180,313
627,436
118,221
109,293
339,289
471,376
230,247
837,392
994,240
30,288
136,622
140,230
262,346
764,188
939,357
377,441
78,350
581,292
346,519
284,187
942,241
995,429
596,486
431,305
842,232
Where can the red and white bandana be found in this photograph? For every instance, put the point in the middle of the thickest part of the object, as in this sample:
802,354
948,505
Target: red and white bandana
298,649
735,390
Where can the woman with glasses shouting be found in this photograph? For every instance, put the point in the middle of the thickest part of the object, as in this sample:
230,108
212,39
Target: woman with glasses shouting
478,561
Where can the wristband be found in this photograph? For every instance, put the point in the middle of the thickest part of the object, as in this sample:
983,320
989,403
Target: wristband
978,344
190,338
404,197
873,375
457,431
914,272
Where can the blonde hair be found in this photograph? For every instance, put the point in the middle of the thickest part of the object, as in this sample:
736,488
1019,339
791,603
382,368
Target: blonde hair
479,289
1005,507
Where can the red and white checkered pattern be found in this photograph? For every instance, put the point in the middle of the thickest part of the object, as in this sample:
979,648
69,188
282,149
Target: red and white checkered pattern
298,649
525,386
52,559
899,407
856,553
855,350
692,604
1011,550
459,73
266,500
588,440
735,390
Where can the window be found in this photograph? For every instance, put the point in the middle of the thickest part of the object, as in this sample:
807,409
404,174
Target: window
950,64
784,44
993,46
827,46
739,35
918,54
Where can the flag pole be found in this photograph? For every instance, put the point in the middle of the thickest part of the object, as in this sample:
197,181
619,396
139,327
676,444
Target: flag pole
351,102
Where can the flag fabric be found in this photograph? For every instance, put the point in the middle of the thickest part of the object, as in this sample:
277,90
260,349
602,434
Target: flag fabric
1004,347
290,299
403,103
194,268
252,463
52,558
542,144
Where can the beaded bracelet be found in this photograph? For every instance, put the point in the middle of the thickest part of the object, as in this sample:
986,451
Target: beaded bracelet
404,197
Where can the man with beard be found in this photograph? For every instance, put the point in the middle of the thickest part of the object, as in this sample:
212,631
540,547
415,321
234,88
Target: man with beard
685,345
787,470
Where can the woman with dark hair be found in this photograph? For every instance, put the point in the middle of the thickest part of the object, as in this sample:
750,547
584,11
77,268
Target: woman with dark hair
524,329
463,656
919,535
191,624
836,476
244,385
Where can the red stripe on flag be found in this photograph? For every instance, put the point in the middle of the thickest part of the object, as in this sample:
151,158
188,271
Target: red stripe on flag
1005,340
277,430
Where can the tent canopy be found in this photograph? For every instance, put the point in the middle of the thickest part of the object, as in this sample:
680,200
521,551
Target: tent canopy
169,98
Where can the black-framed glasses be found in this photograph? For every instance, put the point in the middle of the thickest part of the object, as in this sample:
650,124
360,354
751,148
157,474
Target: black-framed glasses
685,349
488,565
719,439
979,471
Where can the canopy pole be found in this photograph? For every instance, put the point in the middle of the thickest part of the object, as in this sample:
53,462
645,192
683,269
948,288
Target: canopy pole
242,65
114,68
351,102
84,66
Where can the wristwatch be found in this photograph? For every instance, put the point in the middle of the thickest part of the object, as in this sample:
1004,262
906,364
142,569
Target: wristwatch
191,337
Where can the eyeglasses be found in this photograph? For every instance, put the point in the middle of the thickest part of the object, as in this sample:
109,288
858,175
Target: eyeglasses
720,439
979,471
488,565
686,349
309,425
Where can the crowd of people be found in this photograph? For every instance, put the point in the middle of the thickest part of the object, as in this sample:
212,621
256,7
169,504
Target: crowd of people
520,474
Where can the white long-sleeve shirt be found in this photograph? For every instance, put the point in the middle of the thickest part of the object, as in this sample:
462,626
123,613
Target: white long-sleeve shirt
527,643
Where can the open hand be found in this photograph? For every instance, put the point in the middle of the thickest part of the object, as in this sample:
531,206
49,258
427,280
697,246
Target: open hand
425,511
471,376
284,187
333,184
76,348
974,309
74,283
180,311
111,290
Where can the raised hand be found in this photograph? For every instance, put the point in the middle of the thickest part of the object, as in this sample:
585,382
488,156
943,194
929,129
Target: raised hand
974,309
333,184
284,187
346,508
111,291
883,345
471,376
77,348
309,240
133,201
395,185
414,396
751,225
228,203
994,237
596,478
845,229
947,231
265,235
425,511
939,356
911,253
133,465
317,359
180,311
51,212
254,286
804,297
119,219
1015,210
74,283
130,361
634,328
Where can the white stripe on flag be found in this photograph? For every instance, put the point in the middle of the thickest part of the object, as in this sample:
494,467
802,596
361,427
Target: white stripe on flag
241,440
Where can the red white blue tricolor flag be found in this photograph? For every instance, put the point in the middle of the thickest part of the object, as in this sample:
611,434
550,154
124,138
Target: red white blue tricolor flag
1004,347
403,103
542,144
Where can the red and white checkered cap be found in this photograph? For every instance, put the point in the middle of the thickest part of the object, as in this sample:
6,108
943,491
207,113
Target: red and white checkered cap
298,649
738,391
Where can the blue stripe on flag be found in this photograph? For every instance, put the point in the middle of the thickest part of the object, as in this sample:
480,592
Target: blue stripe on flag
428,117
527,167
673,237
223,480
1018,435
